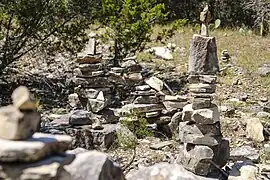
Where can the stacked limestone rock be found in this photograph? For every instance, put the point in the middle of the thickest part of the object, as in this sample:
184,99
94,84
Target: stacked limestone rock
150,101
24,153
200,131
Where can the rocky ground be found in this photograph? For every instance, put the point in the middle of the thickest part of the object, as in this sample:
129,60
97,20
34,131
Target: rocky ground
242,97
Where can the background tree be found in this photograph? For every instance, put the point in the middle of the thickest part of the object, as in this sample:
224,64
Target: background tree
130,23
28,24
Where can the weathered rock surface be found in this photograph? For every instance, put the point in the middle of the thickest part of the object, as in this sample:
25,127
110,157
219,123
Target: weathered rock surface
164,171
243,153
206,116
155,83
203,55
254,129
196,158
101,168
46,169
33,149
16,125
80,117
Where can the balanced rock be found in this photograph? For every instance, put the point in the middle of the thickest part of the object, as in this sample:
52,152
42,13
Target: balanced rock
23,99
33,149
203,55
202,88
80,117
16,125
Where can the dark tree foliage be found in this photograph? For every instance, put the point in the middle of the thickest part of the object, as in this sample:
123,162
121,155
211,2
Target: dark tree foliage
28,24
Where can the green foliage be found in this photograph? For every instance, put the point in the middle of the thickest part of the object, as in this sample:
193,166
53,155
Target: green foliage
51,24
130,23
137,124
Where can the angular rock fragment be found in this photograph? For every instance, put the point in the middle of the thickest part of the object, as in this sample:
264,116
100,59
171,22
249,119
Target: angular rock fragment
196,158
202,88
146,100
23,99
80,117
16,125
155,83
206,116
201,103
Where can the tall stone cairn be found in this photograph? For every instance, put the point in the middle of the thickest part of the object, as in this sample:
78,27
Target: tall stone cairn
204,147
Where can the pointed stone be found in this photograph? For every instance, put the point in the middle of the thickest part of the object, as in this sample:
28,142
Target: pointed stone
23,99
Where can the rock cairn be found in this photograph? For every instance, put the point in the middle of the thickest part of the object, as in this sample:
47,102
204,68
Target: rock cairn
204,148
25,153
104,92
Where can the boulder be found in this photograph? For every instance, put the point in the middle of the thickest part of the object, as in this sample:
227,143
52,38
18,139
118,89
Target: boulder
254,129
101,168
196,158
23,99
203,55
33,149
164,171
16,125
80,117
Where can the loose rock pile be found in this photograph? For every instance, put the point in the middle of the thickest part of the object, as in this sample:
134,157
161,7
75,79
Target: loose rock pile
200,130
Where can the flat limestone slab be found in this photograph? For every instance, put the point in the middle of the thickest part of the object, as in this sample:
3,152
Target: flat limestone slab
33,149
46,169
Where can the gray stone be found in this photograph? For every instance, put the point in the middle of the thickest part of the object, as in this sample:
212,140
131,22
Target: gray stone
206,116
134,77
93,82
152,114
208,79
146,100
88,138
264,69
33,149
80,117
159,146
163,120
23,99
203,55
254,129
222,154
202,88
98,104
140,108
97,125
16,125
162,52
187,112
131,66
176,119
117,69
144,93
164,171
190,133
155,83
109,116
201,103
89,49
97,73
203,95
196,158
169,105
177,98
142,88
103,169
46,169
264,115
74,101
86,69
77,151
243,153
